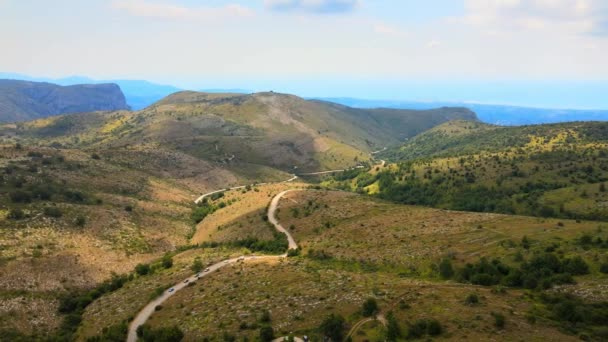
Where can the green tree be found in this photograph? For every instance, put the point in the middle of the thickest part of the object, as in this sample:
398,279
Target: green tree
142,269
266,333
370,307
167,261
197,265
333,327
445,268
393,331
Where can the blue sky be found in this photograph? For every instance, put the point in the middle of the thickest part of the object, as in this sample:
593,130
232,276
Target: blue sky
523,52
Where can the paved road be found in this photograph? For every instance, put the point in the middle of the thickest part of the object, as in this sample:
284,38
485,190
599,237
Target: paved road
149,309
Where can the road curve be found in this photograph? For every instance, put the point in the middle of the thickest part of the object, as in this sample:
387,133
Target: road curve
203,196
272,218
149,309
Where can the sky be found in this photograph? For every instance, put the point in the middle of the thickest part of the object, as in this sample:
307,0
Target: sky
522,52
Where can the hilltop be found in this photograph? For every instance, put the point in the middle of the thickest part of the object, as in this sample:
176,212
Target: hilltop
22,100
276,130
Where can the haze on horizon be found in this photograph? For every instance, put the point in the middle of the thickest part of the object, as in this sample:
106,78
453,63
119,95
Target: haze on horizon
521,52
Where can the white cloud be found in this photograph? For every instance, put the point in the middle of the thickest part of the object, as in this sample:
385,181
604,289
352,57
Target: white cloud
314,6
570,16
384,29
433,44
144,8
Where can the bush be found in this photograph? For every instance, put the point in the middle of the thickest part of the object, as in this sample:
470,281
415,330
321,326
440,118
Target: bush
499,320
114,333
167,261
445,269
15,214
393,331
472,299
80,221
169,334
434,328
265,317
129,208
266,334
142,269
199,213
576,266
604,268
293,252
417,330
53,212
332,327
197,265
20,196
370,307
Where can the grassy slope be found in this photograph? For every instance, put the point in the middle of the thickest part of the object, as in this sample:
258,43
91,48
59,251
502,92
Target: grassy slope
61,254
376,249
549,170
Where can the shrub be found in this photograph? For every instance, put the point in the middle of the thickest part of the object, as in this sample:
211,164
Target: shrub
52,212
266,334
604,268
167,261
576,266
265,317
197,265
434,328
370,307
142,269
168,334
15,214
418,329
129,208
393,331
332,327
499,320
472,299
293,252
80,221
445,269
20,196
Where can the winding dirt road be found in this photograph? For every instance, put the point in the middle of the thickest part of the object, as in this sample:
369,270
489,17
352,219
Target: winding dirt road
149,309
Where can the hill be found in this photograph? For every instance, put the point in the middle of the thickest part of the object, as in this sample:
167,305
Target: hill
554,170
270,129
22,100
356,249
490,113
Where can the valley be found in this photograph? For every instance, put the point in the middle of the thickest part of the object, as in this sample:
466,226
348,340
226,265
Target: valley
312,219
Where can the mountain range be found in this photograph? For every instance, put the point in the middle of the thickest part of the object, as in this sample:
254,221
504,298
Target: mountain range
24,100
141,93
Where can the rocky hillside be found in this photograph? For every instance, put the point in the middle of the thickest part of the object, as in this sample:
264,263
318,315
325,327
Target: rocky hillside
22,100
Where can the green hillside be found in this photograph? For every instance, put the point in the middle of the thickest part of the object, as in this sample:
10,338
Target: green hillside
548,170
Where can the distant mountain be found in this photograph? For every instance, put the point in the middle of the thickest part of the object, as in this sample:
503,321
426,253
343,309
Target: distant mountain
492,114
25,100
138,93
